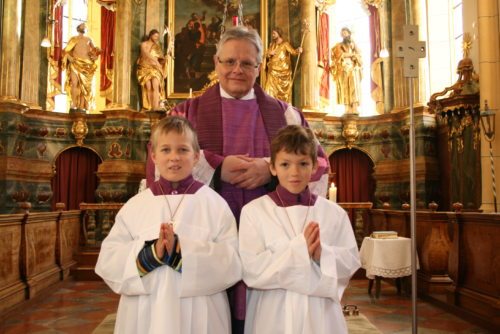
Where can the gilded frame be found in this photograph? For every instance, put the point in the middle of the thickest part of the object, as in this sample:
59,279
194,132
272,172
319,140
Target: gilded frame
184,73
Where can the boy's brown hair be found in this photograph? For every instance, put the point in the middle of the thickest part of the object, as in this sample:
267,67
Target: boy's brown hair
178,125
294,139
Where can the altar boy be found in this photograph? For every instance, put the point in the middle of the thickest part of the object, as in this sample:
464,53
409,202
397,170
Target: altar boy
298,250
173,249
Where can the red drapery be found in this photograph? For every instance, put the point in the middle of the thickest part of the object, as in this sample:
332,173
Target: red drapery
75,180
353,176
55,65
375,43
108,20
324,56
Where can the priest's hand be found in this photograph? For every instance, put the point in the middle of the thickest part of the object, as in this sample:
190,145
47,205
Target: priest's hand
165,242
311,234
232,166
256,174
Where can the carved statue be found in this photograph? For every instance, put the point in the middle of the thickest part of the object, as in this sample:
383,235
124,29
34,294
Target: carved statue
347,72
79,59
151,71
279,67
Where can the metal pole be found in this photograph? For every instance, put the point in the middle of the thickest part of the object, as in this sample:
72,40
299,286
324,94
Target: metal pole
413,207
493,181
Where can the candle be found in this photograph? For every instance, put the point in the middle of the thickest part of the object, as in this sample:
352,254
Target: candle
190,93
235,21
332,193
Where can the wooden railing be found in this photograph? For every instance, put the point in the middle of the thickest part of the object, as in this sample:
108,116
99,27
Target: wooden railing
359,215
37,250
98,218
459,258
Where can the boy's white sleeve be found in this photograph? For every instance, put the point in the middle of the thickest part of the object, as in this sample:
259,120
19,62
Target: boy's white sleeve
116,263
284,266
211,266
339,259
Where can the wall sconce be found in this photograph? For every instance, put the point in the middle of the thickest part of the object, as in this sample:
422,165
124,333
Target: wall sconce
488,125
46,42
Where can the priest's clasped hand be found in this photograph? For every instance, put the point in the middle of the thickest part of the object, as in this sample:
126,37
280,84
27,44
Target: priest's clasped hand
245,172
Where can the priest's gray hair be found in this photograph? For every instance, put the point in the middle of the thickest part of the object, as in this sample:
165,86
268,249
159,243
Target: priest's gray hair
242,33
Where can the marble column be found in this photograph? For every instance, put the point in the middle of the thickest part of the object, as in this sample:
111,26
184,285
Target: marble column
122,56
10,57
399,13
281,17
153,16
309,88
31,55
489,72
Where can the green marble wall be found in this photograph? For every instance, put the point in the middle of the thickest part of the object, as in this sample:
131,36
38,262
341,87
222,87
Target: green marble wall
37,139
385,140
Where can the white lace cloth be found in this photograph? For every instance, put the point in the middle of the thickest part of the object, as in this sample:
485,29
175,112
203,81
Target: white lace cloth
386,257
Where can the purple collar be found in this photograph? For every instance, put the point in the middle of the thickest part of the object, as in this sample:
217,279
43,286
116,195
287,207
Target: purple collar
289,199
187,186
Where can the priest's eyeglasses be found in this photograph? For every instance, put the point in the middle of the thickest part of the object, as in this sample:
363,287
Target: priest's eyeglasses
231,64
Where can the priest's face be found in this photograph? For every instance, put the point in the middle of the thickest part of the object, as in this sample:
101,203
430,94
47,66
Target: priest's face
174,155
293,170
237,68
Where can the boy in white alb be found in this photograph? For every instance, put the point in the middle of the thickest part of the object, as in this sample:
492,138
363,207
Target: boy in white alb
173,249
297,249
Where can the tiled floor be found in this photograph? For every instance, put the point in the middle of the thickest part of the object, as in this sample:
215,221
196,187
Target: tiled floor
78,307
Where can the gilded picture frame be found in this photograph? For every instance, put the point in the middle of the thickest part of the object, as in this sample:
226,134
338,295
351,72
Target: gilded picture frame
195,30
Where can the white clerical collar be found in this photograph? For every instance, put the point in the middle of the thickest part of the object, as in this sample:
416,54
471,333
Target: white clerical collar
249,96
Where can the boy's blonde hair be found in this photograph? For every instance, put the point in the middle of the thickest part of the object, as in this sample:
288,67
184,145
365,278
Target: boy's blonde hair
294,139
177,124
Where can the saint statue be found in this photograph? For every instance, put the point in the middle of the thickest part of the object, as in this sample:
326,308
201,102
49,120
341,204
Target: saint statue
151,71
80,61
279,67
347,72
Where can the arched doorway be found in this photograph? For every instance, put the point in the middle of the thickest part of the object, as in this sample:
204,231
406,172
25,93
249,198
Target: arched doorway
75,179
352,172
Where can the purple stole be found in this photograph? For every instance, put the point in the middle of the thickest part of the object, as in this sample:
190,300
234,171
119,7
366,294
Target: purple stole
207,113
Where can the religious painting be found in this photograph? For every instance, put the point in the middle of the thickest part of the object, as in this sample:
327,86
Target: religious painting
195,27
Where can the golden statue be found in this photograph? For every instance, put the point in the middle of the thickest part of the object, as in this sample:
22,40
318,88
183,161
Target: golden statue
347,72
79,59
151,71
279,67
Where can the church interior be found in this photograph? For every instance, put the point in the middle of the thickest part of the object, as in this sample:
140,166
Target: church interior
416,153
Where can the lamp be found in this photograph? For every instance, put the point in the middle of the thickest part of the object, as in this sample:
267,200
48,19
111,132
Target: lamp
488,125
46,42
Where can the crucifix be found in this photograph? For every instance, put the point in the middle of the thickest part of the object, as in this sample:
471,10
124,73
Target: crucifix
411,50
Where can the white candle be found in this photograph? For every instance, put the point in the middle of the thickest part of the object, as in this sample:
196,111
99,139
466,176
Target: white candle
332,193
190,93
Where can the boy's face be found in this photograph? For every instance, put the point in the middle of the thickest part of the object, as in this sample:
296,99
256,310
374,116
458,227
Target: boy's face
293,170
174,156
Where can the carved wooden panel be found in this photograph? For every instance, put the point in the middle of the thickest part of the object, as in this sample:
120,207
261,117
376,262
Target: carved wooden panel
12,287
40,251
69,229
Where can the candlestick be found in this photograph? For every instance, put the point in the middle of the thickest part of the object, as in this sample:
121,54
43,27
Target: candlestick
235,21
332,193
190,93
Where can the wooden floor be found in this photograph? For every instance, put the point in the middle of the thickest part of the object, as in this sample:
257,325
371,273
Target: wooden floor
78,307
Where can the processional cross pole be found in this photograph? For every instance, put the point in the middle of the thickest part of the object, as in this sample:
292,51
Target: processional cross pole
411,50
